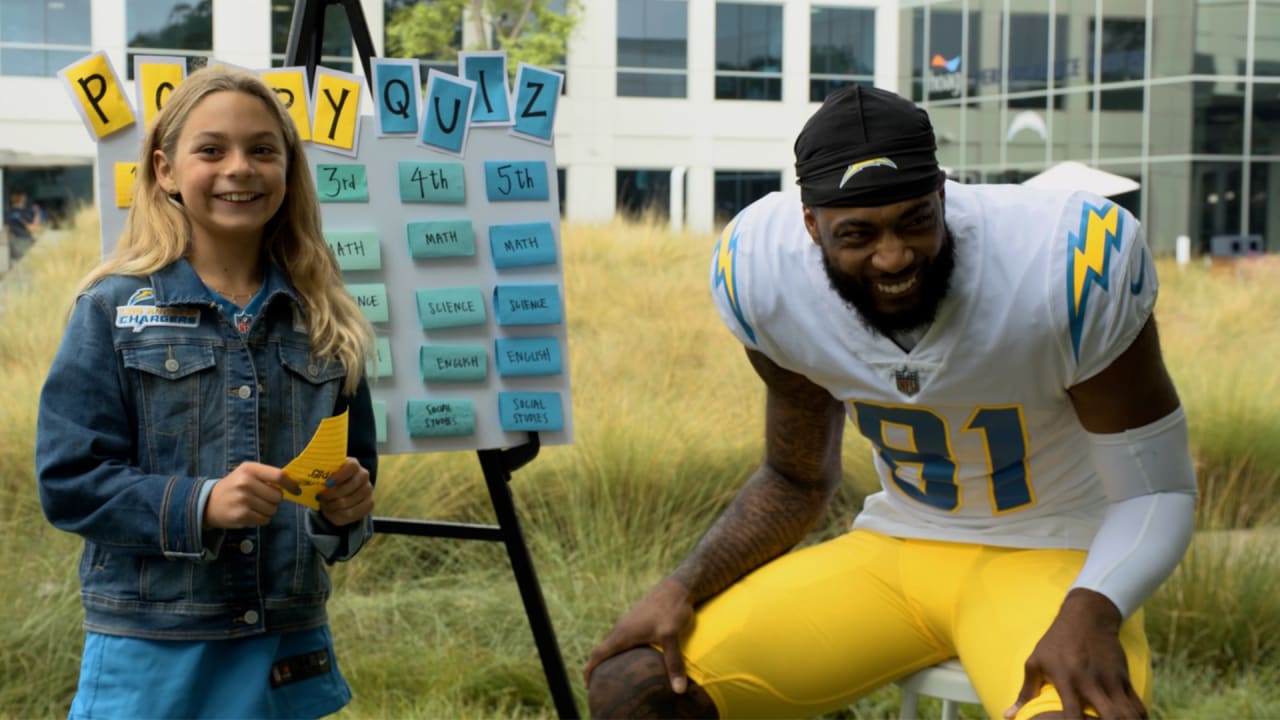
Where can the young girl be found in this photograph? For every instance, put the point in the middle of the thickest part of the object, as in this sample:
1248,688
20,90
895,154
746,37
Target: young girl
198,361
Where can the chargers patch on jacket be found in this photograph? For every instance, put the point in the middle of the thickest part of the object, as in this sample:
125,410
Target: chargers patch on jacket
140,312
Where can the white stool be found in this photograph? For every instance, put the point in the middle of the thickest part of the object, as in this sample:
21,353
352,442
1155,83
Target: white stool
946,680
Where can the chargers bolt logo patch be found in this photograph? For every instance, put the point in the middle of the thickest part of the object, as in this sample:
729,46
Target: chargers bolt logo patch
858,167
140,312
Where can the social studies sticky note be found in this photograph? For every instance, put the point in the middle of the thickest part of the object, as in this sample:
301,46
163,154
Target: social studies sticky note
397,95
290,86
99,97
441,238
336,111
371,298
380,420
450,307
515,180
522,244
527,304
380,366
530,411
453,363
323,456
488,70
422,182
516,357
440,418
446,112
155,80
537,95
355,250
342,183
125,175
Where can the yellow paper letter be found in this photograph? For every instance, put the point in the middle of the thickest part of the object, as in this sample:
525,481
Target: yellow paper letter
100,100
337,108
290,85
157,79
126,174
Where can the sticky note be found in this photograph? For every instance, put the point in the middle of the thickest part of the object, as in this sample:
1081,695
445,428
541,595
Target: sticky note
371,298
447,111
381,366
522,244
537,95
336,110
99,98
516,357
290,87
440,418
450,307
453,363
526,304
342,183
441,238
156,78
323,456
126,176
355,250
515,180
431,182
380,420
530,411
488,70
397,95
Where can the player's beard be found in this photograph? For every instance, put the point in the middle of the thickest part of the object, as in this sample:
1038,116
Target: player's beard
935,281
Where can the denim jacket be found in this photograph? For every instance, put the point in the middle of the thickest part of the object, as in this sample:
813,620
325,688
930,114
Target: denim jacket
153,395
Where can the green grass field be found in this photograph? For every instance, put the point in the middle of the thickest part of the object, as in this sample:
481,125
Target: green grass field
668,420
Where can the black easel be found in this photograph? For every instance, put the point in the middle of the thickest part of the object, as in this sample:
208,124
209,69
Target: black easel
306,35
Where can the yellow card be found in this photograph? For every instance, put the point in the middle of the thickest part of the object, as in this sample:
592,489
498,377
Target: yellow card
290,85
126,174
337,110
156,79
99,97
322,457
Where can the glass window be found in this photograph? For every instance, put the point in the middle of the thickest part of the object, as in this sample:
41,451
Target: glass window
1266,119
425,64
1219,120
1266,29
736,189
335,47
944,73
1222,34
38,38
1215,195
1123,59
644,194
653,48
1263,204
842,49
1029,57
748,52
169,27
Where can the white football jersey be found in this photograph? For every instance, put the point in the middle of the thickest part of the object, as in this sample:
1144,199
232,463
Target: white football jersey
974,436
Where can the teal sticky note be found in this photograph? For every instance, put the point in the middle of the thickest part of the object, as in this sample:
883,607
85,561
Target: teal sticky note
530,411
537,93
427,182
450,307
527,356
453,363
522,244
355,250
380,420
342,183
381,366
526,304
371,298
440,418
447,110
441,238
515,180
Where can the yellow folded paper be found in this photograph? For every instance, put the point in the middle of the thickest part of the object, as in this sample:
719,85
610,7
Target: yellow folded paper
322,457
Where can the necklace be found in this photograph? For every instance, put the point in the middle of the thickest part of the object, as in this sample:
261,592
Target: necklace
235,297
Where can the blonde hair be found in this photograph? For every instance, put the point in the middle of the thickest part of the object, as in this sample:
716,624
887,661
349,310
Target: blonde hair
156,232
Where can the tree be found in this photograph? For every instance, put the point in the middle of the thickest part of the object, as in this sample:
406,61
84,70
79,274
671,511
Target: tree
531,31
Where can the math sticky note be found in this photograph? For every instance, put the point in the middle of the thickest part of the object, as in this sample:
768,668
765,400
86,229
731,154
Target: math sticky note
290,86
371,298
397,94
441,238
440,418
380,366
99,97
450,307
526,304
537,95
322,457
446,112
530,411
522,244
516,357
126,176
515,180
422,182
355,250
336,112
453,363
380,420
342,183
488,70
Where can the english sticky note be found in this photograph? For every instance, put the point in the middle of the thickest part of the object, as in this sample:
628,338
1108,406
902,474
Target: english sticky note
381,365
380,420
530,411
346,183
431,182
453,363
450,307
440,418
527,304
355,250
371,298
522,356
515,180
440,239
522,244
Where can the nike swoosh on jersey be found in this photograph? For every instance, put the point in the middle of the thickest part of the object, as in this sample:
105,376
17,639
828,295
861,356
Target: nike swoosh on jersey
1135,287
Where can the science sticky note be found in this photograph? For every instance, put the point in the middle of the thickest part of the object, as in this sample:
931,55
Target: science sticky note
441,238
516,357
355,250
371,298
290,86
380,420
453,363
515,180
530,411
155,80
397,95
488,70
446,112
440,418
125,175
336,111
537,95
422,182
450,307
342,183
380,366
526,304
323,456
99,97
522,244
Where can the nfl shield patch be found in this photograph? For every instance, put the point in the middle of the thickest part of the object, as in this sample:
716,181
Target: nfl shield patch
907,380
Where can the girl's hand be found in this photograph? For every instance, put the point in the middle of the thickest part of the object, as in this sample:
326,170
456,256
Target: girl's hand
348,496
247,497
